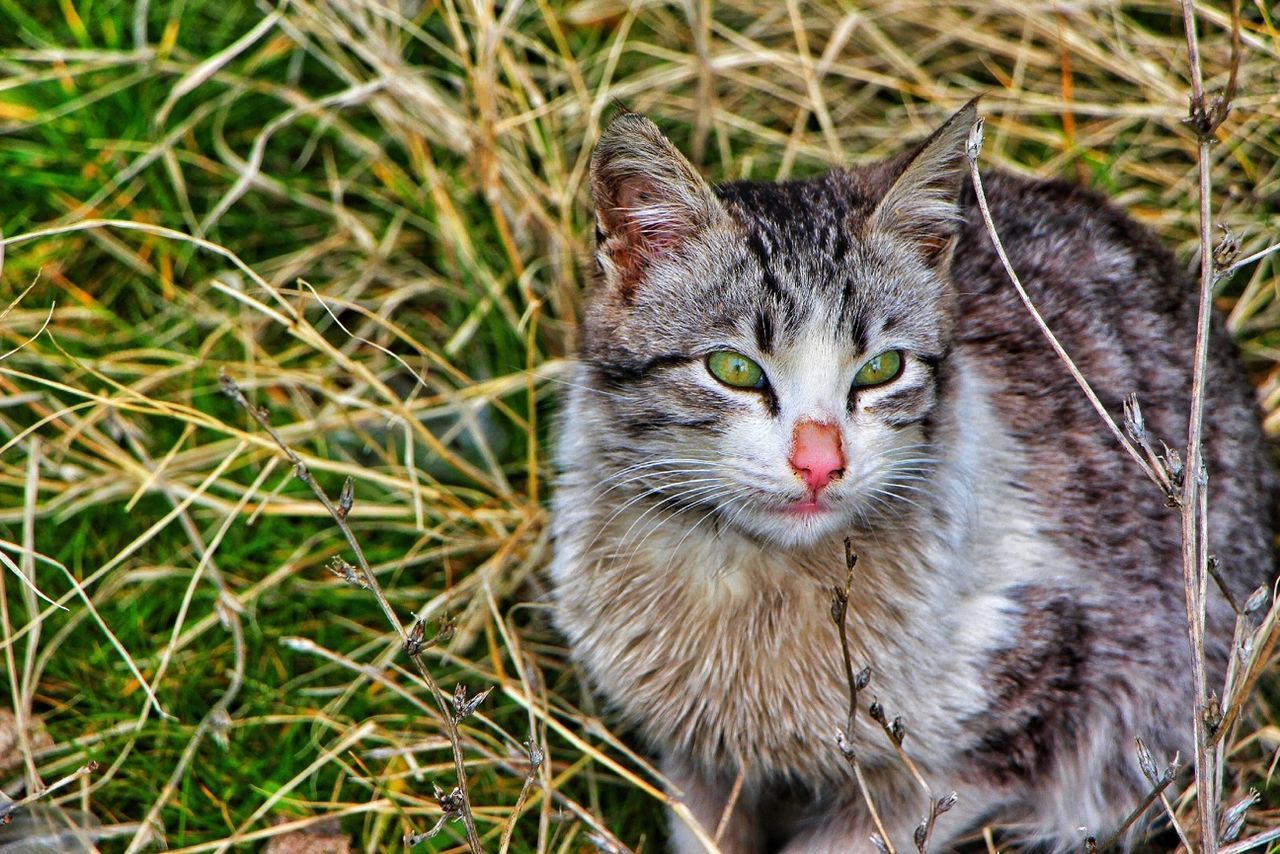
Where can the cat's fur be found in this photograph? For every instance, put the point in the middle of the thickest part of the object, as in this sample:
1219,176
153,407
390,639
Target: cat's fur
1018,593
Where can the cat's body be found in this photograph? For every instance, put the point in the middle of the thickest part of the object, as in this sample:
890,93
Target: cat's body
1018,592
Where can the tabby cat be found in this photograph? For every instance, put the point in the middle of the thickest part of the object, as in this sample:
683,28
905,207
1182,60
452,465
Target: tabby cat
767,369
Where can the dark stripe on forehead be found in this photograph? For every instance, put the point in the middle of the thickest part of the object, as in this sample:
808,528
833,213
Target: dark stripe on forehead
840,243
850,317
764,331
763,255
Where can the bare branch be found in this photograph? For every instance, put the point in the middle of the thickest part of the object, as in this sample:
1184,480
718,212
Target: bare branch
1155,473
839,610
412,648
1204,119
7,810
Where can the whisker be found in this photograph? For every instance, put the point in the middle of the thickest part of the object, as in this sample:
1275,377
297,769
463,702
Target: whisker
897,497
655,490
658,505
724,500
649,464
649,475
670,517
911,488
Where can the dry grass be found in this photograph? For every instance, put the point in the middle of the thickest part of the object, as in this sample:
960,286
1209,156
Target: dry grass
371,216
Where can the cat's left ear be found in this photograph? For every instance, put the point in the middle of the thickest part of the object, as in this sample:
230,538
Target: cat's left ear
923,204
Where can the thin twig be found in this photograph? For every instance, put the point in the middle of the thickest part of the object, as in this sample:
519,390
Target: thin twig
1155,776
1252,842
1163,783
1191,502
1262,644
1174,823
839,611
935,807
732,801
1155,473
7,810
412,642
535,763
1204,120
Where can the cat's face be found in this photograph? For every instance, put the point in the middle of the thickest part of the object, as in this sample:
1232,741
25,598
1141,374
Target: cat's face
769,357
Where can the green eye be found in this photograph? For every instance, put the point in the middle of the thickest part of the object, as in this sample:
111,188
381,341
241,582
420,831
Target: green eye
735,369
879,370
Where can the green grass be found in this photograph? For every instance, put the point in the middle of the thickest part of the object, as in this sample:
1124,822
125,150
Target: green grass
423,179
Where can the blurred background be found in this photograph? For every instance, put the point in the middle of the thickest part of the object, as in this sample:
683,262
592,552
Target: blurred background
372,216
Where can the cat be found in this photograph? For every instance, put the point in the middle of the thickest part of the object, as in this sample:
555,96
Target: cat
767,369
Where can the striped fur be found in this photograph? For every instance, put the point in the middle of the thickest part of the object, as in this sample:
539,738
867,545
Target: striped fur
1018,592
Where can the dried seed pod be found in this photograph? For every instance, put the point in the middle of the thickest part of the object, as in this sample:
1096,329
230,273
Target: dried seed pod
839,605
974,145
536,755
416,640
862,679
1147,763
347,497
1226,250
1257,600
1134,424
464,707
1233,818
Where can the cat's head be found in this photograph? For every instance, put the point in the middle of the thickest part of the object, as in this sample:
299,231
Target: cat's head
770,356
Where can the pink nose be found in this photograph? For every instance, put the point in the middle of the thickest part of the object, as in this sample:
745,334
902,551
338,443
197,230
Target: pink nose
816,454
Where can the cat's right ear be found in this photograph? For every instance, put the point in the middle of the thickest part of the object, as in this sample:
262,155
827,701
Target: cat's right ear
650,202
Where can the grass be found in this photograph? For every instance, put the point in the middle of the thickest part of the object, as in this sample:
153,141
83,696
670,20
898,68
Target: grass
372,218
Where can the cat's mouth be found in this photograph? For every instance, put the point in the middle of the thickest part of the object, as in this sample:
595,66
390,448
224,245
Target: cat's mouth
810,505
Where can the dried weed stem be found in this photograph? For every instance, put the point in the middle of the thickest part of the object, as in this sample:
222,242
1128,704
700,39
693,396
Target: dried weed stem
413,641
7,810
894,731
1186,488
844,738
1205,119
1153,470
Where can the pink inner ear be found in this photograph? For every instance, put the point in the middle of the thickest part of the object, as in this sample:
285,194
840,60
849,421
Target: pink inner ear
650,225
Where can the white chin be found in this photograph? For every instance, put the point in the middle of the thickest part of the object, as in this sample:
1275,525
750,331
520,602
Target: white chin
791,530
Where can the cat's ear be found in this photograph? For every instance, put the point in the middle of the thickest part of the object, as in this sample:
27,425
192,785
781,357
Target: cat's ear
649,200
923,204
